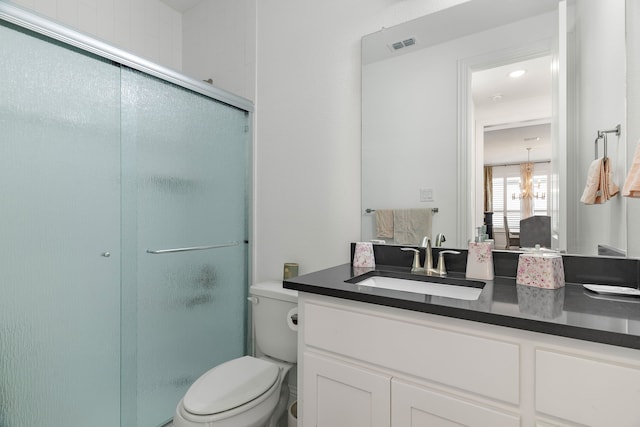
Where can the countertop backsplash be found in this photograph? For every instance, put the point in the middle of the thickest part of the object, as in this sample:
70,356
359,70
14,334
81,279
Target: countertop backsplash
578,269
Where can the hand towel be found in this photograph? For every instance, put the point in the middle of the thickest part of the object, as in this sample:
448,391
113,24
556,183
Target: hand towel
593,182
608,188
410,226
600,187
384,223
632,185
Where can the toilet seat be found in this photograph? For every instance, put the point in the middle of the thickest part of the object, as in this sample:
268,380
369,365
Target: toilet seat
250,377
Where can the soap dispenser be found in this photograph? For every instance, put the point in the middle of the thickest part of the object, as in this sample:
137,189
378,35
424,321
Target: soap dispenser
480,258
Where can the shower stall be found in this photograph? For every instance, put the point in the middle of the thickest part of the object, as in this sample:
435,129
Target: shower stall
124,191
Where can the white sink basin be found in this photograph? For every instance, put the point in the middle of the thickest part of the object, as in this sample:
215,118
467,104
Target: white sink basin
424,286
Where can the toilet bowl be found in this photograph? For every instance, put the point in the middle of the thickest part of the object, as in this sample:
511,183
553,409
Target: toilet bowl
249,391
240,393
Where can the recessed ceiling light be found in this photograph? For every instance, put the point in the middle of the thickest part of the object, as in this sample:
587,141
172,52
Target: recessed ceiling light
517,73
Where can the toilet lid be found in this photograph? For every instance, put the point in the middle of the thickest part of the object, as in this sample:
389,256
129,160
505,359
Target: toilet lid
230,385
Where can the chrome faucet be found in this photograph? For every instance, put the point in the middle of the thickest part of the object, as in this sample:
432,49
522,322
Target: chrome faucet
428,257
441,270
439,240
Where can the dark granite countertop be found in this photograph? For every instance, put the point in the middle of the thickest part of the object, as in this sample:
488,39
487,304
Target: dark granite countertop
571,311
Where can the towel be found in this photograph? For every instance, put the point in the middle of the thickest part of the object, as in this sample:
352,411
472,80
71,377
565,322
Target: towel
593,182
384,223
607,186
410,226
632,185
600,187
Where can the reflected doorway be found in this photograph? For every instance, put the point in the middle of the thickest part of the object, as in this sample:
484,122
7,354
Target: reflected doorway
512,111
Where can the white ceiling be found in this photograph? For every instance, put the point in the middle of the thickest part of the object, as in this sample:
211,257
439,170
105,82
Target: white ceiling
536,82
510,145
181,5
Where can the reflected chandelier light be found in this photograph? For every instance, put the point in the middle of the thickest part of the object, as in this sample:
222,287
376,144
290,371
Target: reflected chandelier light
526,190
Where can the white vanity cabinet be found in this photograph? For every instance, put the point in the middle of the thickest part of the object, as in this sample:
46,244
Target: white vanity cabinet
369,365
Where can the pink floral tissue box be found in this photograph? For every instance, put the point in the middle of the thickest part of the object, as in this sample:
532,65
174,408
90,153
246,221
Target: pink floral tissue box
540,270
363,255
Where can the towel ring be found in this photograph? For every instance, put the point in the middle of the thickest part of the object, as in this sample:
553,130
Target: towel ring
602,134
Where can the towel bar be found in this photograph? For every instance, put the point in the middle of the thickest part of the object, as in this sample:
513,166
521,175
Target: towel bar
193,248
602,134
434,210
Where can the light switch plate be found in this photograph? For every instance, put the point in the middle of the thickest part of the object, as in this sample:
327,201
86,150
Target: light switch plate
426,194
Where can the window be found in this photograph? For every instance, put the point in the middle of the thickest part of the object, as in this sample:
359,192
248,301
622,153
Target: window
540,186
506,188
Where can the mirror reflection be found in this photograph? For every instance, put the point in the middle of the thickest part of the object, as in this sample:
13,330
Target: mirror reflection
447,130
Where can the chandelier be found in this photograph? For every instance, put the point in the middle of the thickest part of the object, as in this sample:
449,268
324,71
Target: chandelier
526,187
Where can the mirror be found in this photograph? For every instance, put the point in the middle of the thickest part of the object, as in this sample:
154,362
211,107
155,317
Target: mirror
423,134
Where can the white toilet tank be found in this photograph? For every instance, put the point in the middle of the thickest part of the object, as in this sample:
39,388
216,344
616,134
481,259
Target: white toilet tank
275,326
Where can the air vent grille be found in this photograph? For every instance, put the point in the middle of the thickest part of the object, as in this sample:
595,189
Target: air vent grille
404,43
409,42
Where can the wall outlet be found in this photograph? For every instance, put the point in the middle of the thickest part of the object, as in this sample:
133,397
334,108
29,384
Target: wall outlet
426,194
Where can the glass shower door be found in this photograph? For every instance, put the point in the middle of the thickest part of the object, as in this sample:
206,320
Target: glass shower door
186,180
59,235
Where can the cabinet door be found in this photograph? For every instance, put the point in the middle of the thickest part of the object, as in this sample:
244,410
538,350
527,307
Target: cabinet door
414,406
337,394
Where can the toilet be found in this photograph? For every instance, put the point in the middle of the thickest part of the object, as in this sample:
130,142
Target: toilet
249,391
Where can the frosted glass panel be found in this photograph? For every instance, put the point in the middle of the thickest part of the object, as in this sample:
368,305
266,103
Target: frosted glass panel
191,160
60,193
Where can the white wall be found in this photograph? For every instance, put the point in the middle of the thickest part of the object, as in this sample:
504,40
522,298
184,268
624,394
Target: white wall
146,28
410,120
219,42
308,126
600,92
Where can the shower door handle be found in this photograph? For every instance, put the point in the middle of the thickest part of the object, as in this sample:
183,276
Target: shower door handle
192,248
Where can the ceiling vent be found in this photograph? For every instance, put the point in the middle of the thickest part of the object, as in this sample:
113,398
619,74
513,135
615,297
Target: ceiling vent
403,43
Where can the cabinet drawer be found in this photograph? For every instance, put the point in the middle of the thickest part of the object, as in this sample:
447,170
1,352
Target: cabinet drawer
414,406
582,390
480,365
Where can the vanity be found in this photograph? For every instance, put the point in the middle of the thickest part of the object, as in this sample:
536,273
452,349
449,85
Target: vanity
515,356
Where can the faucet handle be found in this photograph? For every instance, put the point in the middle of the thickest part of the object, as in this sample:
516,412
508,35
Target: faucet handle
416,259
441,270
